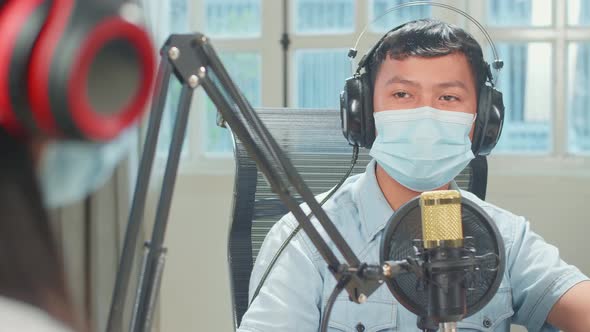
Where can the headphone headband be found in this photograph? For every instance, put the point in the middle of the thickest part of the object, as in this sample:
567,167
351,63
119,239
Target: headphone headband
497,64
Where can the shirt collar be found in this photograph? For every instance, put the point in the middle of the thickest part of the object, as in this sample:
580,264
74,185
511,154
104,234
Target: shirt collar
374,210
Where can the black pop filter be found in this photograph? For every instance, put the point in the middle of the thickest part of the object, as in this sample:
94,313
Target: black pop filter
480,234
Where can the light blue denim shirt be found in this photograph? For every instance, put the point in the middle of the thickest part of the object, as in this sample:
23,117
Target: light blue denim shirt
296,291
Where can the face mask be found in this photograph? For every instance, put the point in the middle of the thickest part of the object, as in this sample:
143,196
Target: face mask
71,170
423,148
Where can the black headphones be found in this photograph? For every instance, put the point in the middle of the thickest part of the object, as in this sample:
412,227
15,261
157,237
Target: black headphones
356,100
72,69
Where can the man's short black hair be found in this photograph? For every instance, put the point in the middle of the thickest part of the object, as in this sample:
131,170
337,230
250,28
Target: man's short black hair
430,38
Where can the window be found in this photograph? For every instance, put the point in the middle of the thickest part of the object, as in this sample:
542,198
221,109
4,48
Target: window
228,21
526,80
244,68
519,13
545,80
232,18
324,16
230,24
526,85
545,45
579,98
160,26
320,76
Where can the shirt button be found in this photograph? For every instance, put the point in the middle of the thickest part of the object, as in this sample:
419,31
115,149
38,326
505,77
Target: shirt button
487,322
360,327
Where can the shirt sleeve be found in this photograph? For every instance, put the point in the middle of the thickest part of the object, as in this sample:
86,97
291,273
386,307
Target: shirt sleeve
290,299
539,277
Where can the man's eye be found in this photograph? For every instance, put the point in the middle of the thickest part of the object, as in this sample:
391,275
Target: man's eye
401,95
449,98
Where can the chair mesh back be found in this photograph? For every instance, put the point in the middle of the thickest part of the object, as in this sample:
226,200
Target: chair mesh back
313,141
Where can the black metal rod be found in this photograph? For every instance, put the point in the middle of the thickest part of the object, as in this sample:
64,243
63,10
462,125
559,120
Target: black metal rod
118,300
142,274
174,152
163,209
150,305
261,132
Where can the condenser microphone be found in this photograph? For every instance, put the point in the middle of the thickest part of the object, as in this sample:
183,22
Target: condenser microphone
443,259
443,245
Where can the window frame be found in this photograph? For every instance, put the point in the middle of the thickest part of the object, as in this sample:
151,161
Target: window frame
558,162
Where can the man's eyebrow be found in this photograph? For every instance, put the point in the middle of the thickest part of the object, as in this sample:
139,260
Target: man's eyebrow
453,84
401,80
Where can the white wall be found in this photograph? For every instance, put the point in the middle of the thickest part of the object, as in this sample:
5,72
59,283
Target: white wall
195,292
556,206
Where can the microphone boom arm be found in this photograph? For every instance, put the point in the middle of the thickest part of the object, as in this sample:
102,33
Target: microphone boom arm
275,166
193,61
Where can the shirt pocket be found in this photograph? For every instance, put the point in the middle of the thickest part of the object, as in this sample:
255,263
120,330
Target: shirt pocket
372,316
494,317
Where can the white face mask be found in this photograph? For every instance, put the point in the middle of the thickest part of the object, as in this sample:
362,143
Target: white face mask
71,170
422,148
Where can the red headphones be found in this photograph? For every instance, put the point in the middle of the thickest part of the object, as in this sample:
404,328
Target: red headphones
73,69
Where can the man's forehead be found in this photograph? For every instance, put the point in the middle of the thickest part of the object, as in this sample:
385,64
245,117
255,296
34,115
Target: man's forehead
442,83
452,70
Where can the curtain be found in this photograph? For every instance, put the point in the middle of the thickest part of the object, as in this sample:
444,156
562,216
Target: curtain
90,235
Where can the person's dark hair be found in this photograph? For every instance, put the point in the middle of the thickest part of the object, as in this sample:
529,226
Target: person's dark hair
31,269
430,38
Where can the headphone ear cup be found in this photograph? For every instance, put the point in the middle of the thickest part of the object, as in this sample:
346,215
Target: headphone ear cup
356,111
489,122
350,110
483,105
368,125
90,72
20,24
495,122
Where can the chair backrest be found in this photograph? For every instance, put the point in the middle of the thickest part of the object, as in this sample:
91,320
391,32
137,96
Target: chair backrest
313,141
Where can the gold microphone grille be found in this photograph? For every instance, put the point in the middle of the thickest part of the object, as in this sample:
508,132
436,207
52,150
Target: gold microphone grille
441,217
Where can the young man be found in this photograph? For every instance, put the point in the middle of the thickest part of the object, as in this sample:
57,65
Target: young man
426,76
